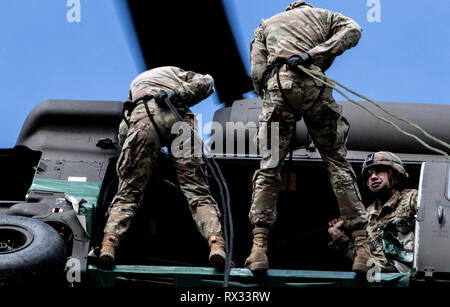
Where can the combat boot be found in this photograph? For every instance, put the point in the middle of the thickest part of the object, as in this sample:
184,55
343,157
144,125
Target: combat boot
217,254
362,251
108,251
258,261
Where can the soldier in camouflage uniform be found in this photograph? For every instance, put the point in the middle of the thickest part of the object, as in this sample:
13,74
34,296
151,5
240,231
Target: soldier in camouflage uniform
312,37
141,136
391,217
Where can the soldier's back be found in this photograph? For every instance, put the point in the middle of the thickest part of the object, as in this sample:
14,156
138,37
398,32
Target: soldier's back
296,31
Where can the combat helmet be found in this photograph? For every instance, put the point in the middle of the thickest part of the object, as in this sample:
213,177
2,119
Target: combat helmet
297,4
383,158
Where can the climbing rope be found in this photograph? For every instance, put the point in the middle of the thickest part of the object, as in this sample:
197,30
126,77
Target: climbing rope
223,192
331,83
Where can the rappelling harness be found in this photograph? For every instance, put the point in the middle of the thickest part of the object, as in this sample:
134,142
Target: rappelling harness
130,105
267,74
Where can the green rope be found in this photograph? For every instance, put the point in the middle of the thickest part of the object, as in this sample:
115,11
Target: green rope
313,75
386,111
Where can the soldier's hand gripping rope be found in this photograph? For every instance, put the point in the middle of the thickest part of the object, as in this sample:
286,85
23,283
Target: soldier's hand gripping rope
299,59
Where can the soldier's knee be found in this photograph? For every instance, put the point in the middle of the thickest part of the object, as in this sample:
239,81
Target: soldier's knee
207,209
123,209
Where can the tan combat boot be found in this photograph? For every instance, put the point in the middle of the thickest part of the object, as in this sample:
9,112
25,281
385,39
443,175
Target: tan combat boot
108,251
217,254
362,252
258,261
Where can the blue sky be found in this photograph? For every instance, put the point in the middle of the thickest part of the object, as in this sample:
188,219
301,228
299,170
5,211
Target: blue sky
403,58
43,55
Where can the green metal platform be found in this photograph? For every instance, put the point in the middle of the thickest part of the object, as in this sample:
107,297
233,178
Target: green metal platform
177,276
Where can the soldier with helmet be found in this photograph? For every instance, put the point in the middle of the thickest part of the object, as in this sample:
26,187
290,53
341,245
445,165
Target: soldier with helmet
391,217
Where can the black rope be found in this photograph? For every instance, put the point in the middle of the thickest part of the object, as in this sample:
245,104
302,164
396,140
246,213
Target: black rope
266,75
129,106
224,196
150,115
294,133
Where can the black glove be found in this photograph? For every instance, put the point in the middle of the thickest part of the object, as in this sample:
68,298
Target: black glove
300,59
173,96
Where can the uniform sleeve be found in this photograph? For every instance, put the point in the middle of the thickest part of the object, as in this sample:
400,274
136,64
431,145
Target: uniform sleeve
413,201
258,59
195,87
345,34
343,244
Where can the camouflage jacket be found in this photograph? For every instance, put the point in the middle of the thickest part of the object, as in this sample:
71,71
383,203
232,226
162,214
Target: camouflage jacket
192,86
302,28
390,232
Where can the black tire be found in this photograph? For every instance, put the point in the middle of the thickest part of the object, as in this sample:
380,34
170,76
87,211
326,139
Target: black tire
31,252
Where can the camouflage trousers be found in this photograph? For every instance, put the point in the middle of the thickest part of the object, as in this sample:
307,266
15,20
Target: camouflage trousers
328,129
140,147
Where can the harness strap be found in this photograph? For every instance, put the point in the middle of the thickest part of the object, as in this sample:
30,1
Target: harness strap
144,100
127,106
266,75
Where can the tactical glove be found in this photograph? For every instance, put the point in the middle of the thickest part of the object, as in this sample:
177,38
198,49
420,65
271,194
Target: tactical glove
299,59
173,96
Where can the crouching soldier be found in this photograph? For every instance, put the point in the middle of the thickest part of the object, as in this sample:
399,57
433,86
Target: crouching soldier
391,217
143,131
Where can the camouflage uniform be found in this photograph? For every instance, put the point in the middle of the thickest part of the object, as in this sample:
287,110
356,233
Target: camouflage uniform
141,144
324,35
390,232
